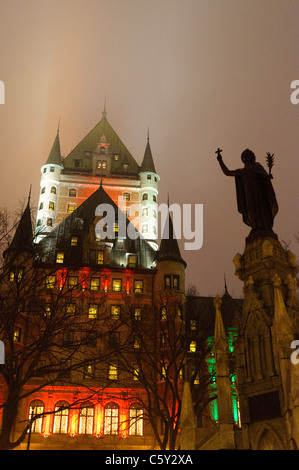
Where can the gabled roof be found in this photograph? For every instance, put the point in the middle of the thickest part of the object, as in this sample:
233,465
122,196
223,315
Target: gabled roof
148,162
169,248
103,132
54,157
81,224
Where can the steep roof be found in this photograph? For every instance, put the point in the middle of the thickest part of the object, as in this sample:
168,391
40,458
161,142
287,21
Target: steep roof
103,132
23,237
81,224
54,157
169,248
148,162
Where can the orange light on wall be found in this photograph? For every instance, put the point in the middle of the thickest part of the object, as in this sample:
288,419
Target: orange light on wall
99,420
84,276
61,278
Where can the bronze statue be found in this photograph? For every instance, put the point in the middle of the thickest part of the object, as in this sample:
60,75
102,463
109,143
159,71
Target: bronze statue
255,194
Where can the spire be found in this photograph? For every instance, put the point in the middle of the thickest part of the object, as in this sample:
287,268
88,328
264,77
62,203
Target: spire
55,154
23,237
104,113
219,334
148,162
169,248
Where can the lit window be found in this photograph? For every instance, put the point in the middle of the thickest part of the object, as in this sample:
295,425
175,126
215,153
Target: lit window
53,190
176,281
17,334
115,228
50,282
102,164
47,310
51,205
132,261
86,420
154,213
100,257
115,312
192,346
88,371
11,276
74,241
95,283
137,313
71,208
144,228
61,418
167,281
93,311
20,273
116,285
136,372
111,419
145,212
138,286
72,192
113,372
145,197
71,309
125,166
126,196
49,222
163,372
116,157
163,313
135,420
36,408
73,282
60,257
137,343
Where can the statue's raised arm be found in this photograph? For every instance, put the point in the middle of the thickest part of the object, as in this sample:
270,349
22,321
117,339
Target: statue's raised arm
255,194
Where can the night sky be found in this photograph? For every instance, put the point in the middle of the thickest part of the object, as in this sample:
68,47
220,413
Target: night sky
200,74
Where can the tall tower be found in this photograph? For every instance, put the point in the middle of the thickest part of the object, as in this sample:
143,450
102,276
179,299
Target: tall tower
49,190
148,198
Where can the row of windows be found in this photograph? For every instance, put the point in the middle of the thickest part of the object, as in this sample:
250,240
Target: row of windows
53,190
95,283
145,197
70,207
86,421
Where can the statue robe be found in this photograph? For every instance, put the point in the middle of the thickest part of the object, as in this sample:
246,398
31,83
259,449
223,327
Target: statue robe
256,197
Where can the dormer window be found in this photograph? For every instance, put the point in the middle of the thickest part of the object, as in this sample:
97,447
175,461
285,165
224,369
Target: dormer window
60,257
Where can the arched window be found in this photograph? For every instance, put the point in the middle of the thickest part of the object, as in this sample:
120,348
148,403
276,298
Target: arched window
36,408
53,190
86,419
154,198
126,196
111,419
61,418
43,190
136,420
144,196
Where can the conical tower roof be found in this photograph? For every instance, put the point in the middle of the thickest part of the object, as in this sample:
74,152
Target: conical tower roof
148,162
23,237
169,248
54,157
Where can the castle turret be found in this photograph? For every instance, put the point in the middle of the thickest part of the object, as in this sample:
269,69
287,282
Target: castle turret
148,198
49,187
